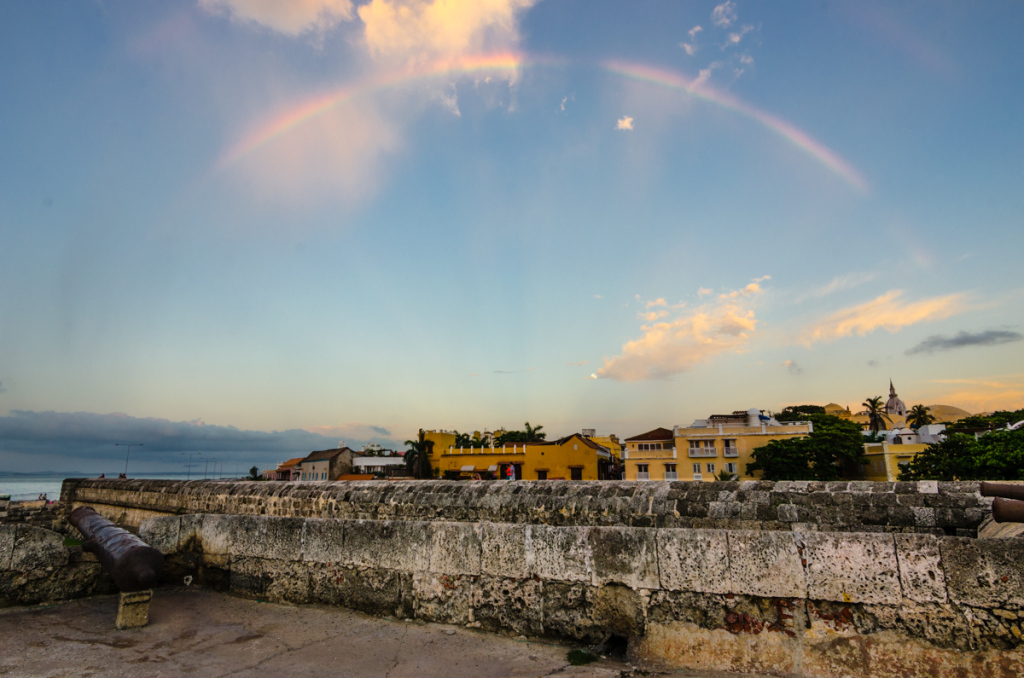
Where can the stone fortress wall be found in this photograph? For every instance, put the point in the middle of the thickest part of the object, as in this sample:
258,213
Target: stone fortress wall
811,579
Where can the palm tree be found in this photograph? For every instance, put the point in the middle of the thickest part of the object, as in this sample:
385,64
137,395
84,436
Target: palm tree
725,475
534,435
417,457
463,440
876,413
919,416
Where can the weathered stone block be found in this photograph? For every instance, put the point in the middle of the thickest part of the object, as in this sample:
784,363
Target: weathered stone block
215,534
624,555
276,580
619,610
568,610
509,605
133,610
694,560
37,552
443,598
767,564
984,572
162,533
323,541
370,590
7,538
920,564
503,550
396,545
560,553
852,568
455,548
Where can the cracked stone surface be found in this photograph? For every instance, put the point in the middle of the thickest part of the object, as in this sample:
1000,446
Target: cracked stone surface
201,633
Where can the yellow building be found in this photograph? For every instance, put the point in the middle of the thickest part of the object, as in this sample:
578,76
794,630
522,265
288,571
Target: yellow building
838,411
706,448
574,457
885,461
651,456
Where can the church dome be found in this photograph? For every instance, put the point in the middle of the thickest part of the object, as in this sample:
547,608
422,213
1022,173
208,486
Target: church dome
894,405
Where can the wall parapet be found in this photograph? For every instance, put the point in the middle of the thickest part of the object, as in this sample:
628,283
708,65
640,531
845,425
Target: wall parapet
811,604
927,507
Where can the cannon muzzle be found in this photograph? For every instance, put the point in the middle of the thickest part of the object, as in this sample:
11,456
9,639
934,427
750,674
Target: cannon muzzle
1004,490
1007,510
134,564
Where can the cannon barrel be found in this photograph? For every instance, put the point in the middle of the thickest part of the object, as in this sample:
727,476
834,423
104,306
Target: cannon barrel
1004,490
1008,511
133,564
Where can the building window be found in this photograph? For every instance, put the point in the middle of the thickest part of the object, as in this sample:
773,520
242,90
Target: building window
542,475
670,468
711,468
649,446
696,469
703,448
730,447
576,473
730,467
641,468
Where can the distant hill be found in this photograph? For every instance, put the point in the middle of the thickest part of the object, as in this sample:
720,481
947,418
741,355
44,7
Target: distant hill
947,414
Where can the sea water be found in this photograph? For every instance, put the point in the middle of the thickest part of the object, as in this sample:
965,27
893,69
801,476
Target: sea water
29,487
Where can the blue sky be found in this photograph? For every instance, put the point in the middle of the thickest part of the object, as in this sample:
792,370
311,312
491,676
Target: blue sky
492,222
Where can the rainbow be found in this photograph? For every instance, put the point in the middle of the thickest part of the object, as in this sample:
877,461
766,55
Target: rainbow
787,131
513,62
317,105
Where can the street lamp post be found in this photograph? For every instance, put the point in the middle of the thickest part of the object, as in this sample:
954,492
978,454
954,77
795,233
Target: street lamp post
188,476
129,446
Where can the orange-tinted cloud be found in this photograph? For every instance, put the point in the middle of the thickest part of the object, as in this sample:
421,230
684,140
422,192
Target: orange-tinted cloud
692,336
419,30
887,312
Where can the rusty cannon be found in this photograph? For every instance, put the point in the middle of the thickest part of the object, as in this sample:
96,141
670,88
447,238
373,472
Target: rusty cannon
1008,506
134,565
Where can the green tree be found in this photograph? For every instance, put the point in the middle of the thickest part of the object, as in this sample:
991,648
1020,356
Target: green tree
876,413
919,416
798,412
417,457
998,419
833,447
254,473
998,455
462,440
534,434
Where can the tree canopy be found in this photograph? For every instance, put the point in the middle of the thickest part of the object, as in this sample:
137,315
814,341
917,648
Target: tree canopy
919,416
823,455
799,412
530,435
998,419
998,455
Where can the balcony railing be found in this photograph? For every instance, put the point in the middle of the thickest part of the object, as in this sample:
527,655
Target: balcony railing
732,452
703,451
643,476
671,475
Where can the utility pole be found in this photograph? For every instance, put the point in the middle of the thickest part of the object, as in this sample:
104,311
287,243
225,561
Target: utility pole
129,446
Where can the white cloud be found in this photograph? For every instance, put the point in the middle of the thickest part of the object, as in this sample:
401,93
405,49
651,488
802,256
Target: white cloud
704,291
625,122
678,344
886,312
839,283
690,49
747,60
423,30
793,368
450,102
735,38
705,74
291,17
723,15
566,99
694,31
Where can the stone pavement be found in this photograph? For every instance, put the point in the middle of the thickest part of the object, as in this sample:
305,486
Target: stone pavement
200,633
